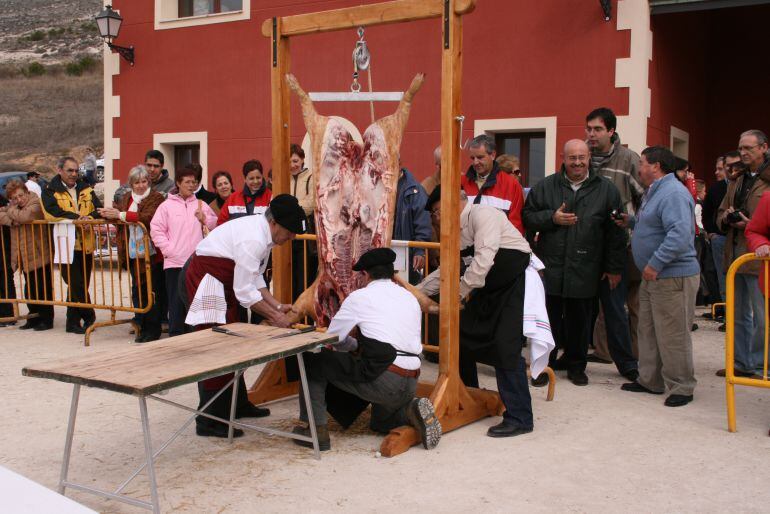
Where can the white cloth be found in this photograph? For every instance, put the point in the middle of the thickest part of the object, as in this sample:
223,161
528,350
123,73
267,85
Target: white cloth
247,242
537,327
34,187
64,239
386,312
208,305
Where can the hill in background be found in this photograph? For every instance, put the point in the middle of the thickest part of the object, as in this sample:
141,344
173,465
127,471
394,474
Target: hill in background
50,82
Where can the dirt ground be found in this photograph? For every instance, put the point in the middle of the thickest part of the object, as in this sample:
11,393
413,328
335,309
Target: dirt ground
594,449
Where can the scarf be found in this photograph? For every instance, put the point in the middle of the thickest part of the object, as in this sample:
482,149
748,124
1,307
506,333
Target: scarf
137,199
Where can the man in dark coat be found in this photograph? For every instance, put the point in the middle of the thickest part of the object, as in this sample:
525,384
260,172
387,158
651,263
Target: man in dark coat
570,216
412,221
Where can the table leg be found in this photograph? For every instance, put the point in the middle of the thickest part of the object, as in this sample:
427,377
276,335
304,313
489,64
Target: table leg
65,465
308,407
148,451
233,402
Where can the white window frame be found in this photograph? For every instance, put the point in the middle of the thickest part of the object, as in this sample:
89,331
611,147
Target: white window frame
680,143
167,16
165,142
512,125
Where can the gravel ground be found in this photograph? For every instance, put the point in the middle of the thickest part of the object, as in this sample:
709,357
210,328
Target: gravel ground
594,449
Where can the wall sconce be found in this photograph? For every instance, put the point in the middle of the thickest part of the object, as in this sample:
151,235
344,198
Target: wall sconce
109,23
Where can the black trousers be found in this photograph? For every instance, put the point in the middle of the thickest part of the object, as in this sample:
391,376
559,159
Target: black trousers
301,275
571,325
176,308
221,406
513,387
38,287
77,276
149,322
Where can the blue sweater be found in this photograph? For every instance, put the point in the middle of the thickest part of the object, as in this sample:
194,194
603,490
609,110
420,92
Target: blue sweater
664,230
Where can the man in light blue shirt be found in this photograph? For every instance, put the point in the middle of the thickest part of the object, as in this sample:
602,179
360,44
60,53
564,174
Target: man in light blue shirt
663,248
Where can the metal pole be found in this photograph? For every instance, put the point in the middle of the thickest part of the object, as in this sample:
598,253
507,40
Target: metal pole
148,451
233,401
65,465
308,407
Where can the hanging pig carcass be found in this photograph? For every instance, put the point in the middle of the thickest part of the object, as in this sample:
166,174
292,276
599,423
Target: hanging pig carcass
355,200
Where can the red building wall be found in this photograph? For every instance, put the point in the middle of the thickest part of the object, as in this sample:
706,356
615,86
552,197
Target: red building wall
521,59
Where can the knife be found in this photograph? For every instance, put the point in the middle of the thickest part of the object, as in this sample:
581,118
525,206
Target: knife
294,332
226,331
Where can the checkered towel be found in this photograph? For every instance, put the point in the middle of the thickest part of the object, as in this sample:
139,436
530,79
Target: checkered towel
537,328
209,305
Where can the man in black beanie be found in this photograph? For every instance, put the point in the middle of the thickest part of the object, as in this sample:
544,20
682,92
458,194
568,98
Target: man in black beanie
236,254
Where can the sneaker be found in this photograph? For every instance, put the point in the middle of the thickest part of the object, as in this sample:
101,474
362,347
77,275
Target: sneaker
423,418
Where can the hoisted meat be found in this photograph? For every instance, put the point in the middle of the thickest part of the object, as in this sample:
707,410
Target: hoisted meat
355,200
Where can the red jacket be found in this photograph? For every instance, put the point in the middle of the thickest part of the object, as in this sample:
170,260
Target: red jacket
758,232
500,190
236,205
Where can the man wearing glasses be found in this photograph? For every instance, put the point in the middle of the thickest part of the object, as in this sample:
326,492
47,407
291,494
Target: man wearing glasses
737,207
67,198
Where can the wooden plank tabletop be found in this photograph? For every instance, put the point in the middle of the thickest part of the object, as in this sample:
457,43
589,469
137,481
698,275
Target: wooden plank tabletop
159,365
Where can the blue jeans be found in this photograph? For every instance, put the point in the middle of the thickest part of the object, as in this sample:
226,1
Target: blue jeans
616,321
749,324
718,254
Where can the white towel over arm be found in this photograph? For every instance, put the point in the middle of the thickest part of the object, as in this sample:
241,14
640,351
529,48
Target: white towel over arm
537,328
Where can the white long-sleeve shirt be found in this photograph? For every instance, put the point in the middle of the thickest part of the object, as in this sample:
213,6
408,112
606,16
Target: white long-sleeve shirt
247,242
386,312
487,229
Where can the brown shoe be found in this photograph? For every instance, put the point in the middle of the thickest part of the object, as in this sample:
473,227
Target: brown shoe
737,373
324,442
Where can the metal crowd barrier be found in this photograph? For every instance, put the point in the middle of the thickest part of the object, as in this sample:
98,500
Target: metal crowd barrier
730,379
108,289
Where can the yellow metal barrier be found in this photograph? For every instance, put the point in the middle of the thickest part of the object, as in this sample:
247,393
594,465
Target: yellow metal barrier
34,261
714,307
730,379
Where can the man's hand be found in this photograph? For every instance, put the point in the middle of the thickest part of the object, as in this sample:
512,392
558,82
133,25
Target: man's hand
564,218
623,221
418,262
279,319
612,278
284,308
649,273
762,251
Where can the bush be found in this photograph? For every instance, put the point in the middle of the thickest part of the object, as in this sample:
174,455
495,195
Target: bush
53,33
37,35
82,65
73,69
87,63
33,69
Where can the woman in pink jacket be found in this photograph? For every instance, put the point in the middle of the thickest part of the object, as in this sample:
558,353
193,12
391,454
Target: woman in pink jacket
179,224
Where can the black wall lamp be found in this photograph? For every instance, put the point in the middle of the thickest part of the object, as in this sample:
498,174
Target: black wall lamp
109,23
607,8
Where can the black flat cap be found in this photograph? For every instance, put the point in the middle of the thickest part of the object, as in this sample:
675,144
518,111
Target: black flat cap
375,257
288,214
434,197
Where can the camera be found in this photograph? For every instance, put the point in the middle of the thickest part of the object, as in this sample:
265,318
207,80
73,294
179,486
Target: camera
735,216
616,214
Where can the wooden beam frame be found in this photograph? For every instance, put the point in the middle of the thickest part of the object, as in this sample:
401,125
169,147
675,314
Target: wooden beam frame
455,404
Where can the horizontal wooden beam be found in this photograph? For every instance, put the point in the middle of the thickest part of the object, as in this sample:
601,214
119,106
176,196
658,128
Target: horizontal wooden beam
396,11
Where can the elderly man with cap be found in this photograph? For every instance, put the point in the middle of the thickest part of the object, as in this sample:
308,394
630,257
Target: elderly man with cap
230,263
491,322
378,365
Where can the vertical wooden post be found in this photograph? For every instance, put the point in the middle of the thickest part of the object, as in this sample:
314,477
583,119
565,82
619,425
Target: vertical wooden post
279,57
273,383
451,76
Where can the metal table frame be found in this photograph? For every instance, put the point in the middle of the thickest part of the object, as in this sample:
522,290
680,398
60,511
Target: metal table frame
151,455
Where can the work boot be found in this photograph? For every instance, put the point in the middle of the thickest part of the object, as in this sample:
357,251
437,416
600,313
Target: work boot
324,442
423,418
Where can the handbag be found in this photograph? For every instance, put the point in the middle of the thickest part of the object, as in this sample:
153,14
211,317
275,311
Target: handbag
136,246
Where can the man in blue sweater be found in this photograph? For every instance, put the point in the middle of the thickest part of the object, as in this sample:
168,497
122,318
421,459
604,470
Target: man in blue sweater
663,248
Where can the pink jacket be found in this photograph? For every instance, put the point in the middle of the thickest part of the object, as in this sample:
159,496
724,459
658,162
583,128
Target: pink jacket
176,231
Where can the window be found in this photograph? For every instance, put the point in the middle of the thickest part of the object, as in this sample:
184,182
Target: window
189,8
184,155
177,14
529,147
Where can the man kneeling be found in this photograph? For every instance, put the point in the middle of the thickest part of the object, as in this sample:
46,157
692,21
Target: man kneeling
379,365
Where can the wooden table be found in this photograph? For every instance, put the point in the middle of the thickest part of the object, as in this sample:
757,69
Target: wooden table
153,367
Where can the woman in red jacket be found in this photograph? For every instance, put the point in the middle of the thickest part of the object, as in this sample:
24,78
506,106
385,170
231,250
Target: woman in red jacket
253,199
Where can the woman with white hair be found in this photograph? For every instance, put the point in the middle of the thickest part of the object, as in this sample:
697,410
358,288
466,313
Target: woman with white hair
139,206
